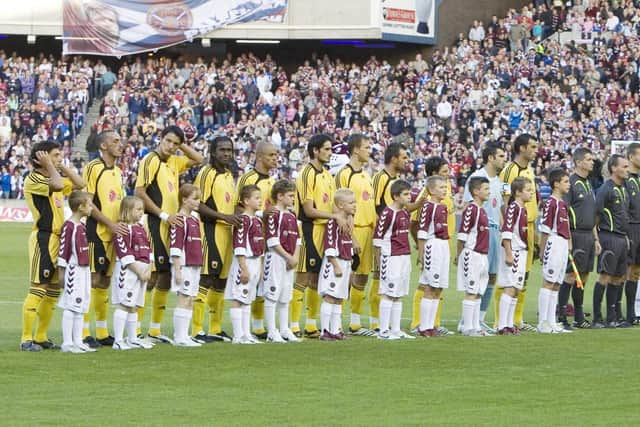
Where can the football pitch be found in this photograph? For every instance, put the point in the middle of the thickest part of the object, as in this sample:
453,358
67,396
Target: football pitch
584,378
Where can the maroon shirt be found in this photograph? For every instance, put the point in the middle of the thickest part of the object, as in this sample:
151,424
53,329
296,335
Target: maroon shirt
247,238
433,222
186,241
282,229
392,232
133,247
336,243
74,248
555,218
514,226
474,229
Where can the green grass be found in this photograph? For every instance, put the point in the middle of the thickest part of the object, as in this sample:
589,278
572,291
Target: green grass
586,378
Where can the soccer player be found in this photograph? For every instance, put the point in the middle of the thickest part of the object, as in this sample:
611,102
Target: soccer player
433,254
217,215
584,237
266,161
157,184
315,188
392,254
354,177
555,243
245,270
104,183
525,149
44,190
472,259
283,243
633,274
131,273
333,282
493,157
395,162
612,207
186,261
513,254
73,265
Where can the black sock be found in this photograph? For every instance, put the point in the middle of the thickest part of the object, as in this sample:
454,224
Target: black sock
598,294
577,295
563,300
620,289
612,300
630,289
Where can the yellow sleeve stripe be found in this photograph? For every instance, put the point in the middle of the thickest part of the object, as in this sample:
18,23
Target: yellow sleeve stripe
305,182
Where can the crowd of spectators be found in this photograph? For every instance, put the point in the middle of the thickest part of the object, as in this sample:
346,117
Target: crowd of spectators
501,79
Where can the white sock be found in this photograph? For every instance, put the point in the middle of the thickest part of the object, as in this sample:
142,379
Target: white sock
257,324
246,320
132,323
336,318
425,305
385,314
270,315
544,298
235,313
553,304
283,312
181,321
67,327
355,319
503,316
396,316
294,325
375,320
78,324
119,321
433,311
482,315
325,316
311,323
467,314
476,315
512,311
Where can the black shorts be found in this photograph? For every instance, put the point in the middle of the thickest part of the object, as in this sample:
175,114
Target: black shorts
159,236
584,251
614,256
634,242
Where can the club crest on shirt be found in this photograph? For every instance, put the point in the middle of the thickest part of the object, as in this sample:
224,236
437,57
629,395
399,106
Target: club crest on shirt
57,202
46,273
170,186
227,197
112,196
325,198
365,195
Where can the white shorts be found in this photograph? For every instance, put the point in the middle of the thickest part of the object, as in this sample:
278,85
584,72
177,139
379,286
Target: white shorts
277,282
554,259
126,288
76,294
473,272
190,281
245,293
435,265
395,274
329,284
512,276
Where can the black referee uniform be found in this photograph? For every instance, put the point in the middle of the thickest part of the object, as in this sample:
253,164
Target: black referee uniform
633,190
612,206
582,219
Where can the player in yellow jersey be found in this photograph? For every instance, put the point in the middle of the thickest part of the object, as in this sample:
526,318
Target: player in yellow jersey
104,183
354,177
217,214
525,149
157,185
434,166
395,163
44,190
315,188
266,161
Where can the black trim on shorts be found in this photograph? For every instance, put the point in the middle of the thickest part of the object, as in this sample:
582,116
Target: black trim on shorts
312,259
160,255
214,252
100,260
46,269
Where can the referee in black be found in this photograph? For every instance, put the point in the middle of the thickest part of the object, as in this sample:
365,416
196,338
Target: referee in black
612,207
633,273
584,236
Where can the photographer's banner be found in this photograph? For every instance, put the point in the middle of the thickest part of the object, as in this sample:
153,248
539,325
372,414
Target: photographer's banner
410,21
125,27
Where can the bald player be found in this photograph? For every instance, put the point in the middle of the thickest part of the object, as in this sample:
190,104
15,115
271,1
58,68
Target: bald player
266,162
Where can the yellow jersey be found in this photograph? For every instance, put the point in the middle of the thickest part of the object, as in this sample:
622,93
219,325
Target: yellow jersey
162,179
509,174
47,207
262,181
217,190
382,190
105,183
317,186
361,184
